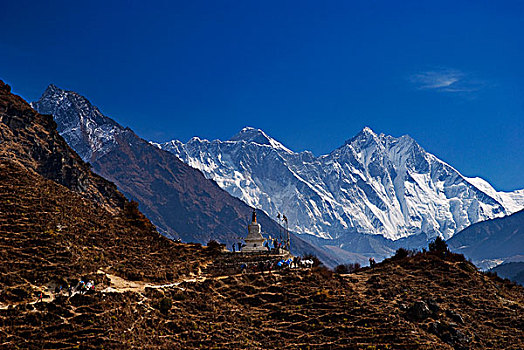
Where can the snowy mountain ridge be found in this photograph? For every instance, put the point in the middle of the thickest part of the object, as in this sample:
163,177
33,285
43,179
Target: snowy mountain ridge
374,183
81,124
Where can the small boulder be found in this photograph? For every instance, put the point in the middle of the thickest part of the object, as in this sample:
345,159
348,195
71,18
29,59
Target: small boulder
455,316
433,305
436,328
450,334
419,311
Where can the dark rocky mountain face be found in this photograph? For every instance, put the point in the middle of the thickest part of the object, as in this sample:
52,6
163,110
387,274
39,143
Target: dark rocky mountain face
178,199
492,242
85,129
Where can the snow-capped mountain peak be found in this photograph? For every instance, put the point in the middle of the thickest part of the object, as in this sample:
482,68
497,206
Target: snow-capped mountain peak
374,183
79,121
250,134
51,89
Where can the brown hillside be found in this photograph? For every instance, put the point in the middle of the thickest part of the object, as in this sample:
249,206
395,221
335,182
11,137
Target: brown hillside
460,308
50,234
60,222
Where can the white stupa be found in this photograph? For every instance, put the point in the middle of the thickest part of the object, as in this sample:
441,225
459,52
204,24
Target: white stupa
254,240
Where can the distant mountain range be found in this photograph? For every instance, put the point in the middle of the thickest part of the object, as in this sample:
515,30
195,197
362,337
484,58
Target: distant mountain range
373,184
492,242
177,198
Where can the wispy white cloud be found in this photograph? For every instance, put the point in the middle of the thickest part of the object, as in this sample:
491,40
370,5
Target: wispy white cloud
446,80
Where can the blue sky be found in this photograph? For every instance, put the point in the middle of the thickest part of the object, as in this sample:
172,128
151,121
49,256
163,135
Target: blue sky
309,73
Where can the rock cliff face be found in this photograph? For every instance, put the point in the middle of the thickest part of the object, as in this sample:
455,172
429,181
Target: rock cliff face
177,198
373,184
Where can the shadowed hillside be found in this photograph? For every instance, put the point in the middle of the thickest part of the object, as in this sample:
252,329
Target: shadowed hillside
513,271
491,242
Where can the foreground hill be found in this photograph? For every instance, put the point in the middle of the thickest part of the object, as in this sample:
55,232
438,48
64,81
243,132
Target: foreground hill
178,199
421,302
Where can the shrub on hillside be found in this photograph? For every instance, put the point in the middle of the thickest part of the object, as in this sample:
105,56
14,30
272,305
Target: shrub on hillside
402,253
322,271
456,257
165,305
133,214
438,246
347,268
212,244
214,247
341,269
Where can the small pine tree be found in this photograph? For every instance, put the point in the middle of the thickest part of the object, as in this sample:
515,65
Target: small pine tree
438,246
401,253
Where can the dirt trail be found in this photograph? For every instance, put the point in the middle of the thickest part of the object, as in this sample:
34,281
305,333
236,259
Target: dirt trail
121,285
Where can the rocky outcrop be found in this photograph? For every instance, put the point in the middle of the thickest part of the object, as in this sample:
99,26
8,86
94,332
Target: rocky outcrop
419,311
